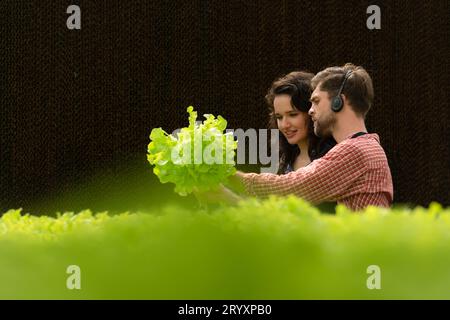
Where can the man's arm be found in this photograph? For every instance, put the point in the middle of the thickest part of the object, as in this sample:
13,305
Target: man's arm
337,174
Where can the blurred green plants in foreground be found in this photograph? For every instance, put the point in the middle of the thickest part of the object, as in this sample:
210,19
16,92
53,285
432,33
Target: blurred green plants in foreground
279,248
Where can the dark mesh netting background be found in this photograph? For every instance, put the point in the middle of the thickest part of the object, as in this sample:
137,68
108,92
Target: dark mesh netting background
76,101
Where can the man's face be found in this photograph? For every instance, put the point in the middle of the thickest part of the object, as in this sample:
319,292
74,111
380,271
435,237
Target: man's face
321,114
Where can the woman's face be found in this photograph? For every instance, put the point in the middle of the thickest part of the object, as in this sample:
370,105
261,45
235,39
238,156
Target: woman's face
291,122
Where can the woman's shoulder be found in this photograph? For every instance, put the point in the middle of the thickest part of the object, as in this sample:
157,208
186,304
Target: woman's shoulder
289,168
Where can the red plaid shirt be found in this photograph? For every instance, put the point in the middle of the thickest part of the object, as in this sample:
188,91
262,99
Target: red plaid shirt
355,173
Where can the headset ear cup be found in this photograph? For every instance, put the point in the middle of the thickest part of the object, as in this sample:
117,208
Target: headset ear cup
336,104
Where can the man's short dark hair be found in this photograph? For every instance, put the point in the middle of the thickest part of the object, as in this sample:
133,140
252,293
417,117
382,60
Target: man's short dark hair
358,88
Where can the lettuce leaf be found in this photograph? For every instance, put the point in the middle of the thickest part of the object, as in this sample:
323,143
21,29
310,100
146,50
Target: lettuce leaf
199,156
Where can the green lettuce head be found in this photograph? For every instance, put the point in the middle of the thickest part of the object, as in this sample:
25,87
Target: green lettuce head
200,156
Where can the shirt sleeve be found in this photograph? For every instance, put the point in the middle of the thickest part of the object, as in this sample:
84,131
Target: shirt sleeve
325,179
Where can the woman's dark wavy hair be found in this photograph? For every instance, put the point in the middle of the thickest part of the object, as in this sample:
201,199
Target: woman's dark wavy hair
296,84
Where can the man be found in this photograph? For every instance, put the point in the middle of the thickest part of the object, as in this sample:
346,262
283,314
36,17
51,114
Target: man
355,172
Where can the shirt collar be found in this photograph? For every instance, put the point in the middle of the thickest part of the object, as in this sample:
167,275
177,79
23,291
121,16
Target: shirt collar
351,134
372,135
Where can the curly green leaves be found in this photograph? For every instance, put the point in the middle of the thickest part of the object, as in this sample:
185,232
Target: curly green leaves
199,156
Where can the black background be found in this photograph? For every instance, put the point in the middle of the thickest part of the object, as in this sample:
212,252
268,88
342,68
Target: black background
76,101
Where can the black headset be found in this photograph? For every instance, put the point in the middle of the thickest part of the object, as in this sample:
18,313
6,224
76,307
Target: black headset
336,102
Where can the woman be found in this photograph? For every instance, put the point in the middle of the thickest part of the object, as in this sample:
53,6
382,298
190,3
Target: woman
288,101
